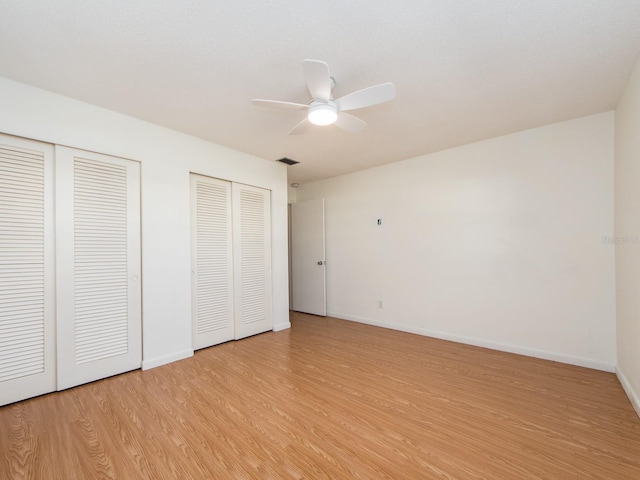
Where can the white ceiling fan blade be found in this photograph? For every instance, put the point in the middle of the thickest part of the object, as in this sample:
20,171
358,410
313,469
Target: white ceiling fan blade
278,104
367,97
300,128
316,74
350,123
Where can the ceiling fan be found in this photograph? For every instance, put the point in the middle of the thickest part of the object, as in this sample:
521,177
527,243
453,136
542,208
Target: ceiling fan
323,109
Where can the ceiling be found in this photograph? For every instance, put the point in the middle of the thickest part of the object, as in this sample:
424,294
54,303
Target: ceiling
463,70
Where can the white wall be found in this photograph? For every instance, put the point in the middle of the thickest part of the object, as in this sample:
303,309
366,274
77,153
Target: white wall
497,243
627,236
166,158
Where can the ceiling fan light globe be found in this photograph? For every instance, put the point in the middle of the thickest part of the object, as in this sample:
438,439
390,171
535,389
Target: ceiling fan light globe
323,114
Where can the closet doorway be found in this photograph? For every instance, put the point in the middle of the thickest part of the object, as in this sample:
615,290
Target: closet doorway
70,296
230,260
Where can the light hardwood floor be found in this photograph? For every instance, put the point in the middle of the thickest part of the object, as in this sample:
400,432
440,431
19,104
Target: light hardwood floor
331,399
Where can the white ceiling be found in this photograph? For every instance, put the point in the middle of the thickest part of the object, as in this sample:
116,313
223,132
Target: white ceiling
463,70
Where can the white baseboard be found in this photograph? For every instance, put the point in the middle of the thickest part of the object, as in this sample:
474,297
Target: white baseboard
158,361
529,352
281,326
626,385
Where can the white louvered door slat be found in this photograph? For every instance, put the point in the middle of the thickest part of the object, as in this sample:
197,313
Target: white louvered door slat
101,279
211,261
27,339
99,318
252,260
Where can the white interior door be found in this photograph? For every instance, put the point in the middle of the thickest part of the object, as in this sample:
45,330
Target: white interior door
27,277
252,259
98,266
307,257
211,261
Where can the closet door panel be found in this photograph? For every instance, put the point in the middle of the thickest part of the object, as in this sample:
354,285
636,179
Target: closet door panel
27,337
211,261
98,277
252,259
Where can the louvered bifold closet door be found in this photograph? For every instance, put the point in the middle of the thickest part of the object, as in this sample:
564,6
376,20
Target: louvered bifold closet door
27,302
98,276
211,261
252,259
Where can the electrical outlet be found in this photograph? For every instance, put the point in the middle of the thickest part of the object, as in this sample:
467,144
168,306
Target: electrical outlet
379,303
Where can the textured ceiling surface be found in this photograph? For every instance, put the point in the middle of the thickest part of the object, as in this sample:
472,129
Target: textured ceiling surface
463,70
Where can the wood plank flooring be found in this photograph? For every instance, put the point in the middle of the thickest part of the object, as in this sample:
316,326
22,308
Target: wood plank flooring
331,399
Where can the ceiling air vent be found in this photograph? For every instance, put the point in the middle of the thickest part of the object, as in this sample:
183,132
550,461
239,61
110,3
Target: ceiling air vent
286,160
